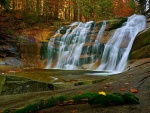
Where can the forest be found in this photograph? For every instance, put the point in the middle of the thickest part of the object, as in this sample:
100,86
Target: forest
73,10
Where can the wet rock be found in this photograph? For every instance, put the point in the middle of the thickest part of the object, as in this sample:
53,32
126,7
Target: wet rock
116,23
141,45
63,29
18,85
8,46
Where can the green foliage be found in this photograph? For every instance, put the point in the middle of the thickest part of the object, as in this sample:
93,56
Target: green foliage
130,98
79,97
7,110
51,102
32,18
41,104
80,83
94,98
132,5
9,31
57,24
61,99
116,23
2,82
142,5
104,9
109,99
32,108
5,4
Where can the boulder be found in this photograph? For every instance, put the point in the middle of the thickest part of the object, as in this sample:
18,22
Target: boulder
17,85
141,45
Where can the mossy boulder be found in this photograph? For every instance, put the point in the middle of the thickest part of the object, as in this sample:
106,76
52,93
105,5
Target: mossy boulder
115,23
17,85
141,45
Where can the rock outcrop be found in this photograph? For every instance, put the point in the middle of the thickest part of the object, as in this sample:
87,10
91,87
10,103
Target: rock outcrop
17,85
141,45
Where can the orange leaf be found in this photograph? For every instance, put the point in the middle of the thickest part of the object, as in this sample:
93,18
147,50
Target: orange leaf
74,111
134,90
122,89
81,92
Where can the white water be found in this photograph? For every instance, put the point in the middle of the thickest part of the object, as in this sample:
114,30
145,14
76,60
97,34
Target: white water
95,47
115,56
65,52
70,46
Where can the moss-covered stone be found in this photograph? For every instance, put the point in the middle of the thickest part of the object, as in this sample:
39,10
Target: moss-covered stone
17,85
141,40
141,45
115,23
141,53
2,81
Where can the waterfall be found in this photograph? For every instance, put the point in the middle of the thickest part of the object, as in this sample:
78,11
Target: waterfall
96,47
70,46
80,44
117,49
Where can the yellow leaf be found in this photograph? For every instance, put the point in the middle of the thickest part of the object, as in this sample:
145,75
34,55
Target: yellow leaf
102,93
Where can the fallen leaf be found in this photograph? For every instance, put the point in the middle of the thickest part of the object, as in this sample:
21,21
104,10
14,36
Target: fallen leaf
106,86
102,93
122,89
134,90
74,111
81,92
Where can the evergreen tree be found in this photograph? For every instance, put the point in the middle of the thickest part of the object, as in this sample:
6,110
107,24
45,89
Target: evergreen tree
5,4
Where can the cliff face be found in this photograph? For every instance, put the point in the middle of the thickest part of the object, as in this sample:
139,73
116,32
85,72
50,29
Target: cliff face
8,46
18,51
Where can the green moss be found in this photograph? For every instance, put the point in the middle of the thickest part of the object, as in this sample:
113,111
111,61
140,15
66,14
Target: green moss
141,40
2,82
41,104
109,99
99,81
78,98
116,23
141,53
130,98
80,83
32,108
8,110
93,98
61,99
51,102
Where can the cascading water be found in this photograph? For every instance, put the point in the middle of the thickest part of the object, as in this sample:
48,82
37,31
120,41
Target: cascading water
96,46
70,46
81,44
117,49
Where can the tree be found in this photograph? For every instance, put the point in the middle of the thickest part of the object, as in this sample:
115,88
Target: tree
124,8
5,4
142,5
